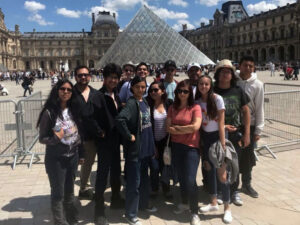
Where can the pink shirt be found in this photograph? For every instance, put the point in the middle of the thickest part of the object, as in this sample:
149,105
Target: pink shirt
185,117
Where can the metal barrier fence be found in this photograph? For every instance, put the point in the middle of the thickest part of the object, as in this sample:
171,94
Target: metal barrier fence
282,119
274,87
18,123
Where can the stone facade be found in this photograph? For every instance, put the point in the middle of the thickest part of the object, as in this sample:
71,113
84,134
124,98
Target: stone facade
57,50
269,36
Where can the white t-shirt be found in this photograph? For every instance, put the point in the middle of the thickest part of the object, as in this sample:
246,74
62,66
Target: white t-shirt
209,125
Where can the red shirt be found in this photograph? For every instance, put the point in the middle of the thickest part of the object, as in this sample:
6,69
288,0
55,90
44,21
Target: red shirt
185,117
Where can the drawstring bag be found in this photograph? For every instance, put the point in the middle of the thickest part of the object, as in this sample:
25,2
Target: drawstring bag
167,153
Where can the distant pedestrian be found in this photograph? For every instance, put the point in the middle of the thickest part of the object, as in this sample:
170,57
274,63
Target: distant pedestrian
272,69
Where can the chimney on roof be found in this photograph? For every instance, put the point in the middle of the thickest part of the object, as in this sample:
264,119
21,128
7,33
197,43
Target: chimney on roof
211,22
93,18
33,30
114,15
82,30
202,24
184,27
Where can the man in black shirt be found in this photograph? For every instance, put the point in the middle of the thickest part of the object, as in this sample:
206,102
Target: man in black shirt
84,94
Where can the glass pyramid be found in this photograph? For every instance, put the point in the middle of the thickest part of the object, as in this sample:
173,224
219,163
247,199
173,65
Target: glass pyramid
147,38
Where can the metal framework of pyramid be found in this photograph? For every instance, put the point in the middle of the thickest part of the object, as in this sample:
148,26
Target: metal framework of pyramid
148,38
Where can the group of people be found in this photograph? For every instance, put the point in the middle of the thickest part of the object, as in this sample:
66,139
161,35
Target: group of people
216,122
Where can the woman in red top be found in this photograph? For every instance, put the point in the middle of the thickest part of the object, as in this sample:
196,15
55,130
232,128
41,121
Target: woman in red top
183,123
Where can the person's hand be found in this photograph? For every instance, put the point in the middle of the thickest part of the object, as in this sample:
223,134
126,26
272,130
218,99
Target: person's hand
230,128
59,134
245,140
206,165
81,161
132,138
256,137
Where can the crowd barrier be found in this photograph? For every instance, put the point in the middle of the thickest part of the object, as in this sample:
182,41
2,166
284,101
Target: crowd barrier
18,126
273,87
282,119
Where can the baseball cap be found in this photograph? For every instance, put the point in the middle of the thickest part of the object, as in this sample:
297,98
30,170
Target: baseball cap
170,63
193,64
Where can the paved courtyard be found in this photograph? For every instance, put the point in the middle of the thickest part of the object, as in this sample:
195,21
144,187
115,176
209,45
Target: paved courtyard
25,200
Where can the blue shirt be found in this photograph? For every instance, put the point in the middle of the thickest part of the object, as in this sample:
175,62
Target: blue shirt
147,139
170,88
125,92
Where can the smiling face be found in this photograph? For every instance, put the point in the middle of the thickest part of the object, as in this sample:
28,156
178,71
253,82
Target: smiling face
83,76
111,81
183,93
155,92
142,71
139,89
194,73
65,92
204,85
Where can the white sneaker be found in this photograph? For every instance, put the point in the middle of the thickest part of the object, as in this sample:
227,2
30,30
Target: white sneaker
209,208
219,199
236,199
195,220
227,216
181,208
133,221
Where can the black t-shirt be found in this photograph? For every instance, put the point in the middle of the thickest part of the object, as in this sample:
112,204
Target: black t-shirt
234,98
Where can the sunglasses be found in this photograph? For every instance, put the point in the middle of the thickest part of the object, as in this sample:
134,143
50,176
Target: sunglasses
65,89
82,75
180,91
154,90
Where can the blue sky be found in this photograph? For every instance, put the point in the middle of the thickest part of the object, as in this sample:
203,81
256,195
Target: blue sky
75,15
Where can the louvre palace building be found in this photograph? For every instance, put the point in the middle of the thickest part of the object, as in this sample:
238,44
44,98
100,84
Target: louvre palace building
53,50
273,35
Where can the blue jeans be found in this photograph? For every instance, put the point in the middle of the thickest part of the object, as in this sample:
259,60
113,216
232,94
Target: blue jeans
137,186
210,138
186,161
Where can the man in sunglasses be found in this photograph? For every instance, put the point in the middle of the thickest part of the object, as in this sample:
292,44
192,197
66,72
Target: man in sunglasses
169,82
84,94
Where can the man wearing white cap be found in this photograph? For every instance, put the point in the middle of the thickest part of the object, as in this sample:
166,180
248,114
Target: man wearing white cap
194,72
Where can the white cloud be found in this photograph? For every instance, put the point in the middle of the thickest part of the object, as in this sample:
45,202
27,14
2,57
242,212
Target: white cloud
265,6
166,14
178,3
178,25
68,13
201,20
33,6
120,4
208,2
39,19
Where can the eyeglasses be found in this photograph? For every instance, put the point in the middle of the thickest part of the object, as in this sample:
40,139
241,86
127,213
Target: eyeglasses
80,75
180,91
154,90
65,89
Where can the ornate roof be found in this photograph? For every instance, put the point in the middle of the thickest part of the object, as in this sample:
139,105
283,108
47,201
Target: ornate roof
104,18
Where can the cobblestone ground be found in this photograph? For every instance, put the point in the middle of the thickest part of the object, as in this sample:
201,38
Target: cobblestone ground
24,192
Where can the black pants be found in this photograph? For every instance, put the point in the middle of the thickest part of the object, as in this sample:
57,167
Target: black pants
246,160
109,161
61,173
26,88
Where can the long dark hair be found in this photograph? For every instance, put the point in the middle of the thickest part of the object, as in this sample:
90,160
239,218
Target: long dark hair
190,100
212,110
217,76
53,104
164,96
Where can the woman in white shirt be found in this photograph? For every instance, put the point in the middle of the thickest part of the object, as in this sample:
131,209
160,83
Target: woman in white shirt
212,130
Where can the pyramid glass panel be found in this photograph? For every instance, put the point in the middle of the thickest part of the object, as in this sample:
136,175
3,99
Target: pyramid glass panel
150,39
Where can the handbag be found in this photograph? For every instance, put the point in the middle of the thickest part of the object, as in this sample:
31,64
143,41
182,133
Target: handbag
167,153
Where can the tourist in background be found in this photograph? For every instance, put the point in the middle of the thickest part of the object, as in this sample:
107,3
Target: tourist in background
183,123
128,73
194,72
59,124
